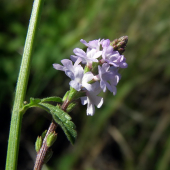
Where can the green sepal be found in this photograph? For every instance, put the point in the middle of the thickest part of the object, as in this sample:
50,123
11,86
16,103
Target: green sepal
70,107
52,99
38,143
74,94
63,119
95,68
51,138
66,95
91,81
86,69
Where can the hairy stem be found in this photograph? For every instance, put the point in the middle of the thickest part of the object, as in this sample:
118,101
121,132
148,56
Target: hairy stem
16,120
44,148
42,152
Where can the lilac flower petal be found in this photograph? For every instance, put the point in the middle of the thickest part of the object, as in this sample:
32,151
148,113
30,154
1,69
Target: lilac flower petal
123,65
70,74
106,43
103,85
90,109
114,90
75,85
67,64
84,100
58,67
98,101
76,82
113,57
79,52
73,58
110,88
94,44
84,42
79,73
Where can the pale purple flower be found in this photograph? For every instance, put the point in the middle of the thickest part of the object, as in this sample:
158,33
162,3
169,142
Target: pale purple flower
94,44
91,98
76,82
103,76
113,57
88,57
113,78
67,67
105,43
109,78
106,78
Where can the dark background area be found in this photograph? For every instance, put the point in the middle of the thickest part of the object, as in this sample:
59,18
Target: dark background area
131,130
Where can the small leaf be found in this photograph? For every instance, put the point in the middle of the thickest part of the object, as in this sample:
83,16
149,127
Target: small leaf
51,99
64,120
34,101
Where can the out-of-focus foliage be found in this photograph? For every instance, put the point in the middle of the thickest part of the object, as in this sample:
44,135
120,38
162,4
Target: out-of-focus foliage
131,130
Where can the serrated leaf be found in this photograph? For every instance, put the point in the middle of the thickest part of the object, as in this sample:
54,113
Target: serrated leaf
63,119
51,99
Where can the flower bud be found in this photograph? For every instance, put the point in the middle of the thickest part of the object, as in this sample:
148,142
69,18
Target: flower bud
43,134
38,143
51,138
119,44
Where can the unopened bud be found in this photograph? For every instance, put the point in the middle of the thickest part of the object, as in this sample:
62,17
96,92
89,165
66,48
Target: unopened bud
43,134
119,44
38,143
51,138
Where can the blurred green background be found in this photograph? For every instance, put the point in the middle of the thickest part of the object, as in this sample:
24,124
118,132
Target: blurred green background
131,130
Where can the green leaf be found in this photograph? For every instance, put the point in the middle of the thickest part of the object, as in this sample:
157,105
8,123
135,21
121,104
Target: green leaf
64,120
34,101
51,99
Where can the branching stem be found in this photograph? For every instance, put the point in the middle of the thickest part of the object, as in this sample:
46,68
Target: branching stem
44,148
42,152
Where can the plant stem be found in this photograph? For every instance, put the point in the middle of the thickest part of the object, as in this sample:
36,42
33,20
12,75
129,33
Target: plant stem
16,120
44,148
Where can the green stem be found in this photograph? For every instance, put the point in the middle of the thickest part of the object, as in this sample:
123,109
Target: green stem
16,120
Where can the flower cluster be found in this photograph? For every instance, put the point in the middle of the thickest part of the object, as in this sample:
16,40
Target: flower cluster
93,71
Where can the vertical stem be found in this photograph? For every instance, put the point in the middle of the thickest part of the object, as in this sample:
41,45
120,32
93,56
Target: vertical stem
16,120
